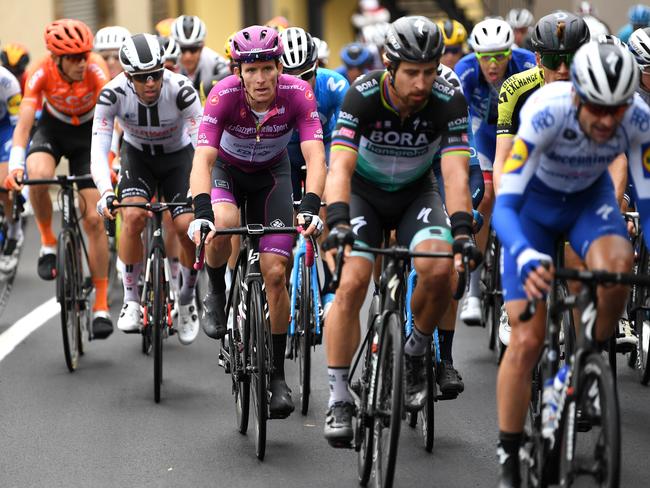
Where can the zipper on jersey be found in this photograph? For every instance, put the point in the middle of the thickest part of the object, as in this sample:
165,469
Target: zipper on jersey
258,126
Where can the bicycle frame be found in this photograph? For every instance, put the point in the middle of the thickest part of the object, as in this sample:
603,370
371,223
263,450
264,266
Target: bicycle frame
315,286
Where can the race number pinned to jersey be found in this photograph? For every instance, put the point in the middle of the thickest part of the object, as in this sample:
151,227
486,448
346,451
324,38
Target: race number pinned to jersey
518,157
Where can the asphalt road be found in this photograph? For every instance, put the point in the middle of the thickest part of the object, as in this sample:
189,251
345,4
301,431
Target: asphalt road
100,427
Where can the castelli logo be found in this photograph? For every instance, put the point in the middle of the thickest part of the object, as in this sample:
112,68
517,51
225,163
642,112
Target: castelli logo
309,95
214,99
242,113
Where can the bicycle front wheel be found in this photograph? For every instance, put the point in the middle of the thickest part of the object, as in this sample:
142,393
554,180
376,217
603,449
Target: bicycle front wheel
641,319
260,354
67,290
239,360
305,335
388,404
591,443
159,320
426,415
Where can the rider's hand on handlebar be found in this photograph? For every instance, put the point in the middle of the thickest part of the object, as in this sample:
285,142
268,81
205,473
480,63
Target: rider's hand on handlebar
536,272
311,224
12,179
464,246
194,231
103,205
340,235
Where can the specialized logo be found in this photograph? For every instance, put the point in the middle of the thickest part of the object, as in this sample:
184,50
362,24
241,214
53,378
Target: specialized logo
424,215
604,211
518,157
357,223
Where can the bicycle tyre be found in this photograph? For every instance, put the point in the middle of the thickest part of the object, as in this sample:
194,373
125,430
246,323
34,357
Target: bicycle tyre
567,326
67,288
426,416
159,320
642,320
608,450
259,356
304,335
389,395
489,284
241,379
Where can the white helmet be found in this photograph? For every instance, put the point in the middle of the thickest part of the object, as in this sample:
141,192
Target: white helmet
596,27
520,17
604,74
171,49
110,37
639,45
300,52
323,49
141,53
375,33
491,35
189,31
610,39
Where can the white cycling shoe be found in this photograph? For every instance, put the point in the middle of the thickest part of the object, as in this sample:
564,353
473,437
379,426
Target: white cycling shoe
471,311
504,328
188,323
130,319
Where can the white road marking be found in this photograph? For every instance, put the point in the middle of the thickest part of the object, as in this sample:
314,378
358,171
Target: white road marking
24,326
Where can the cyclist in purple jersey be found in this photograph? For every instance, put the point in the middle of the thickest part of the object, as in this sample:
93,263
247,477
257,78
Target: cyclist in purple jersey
247,123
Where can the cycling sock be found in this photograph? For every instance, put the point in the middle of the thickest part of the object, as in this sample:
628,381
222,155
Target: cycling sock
327,280
279,345
338,382
416,344
15,230
509,442
189,282
445,341
175,267
47,236
475,282
101,294
130,278
216,277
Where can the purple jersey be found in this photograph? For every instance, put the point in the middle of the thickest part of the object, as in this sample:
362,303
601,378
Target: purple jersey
229,124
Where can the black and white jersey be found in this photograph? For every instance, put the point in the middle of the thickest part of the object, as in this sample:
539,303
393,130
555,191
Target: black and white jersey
166,126
210,65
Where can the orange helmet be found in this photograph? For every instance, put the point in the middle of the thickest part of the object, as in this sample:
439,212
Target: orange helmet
164,27
68,36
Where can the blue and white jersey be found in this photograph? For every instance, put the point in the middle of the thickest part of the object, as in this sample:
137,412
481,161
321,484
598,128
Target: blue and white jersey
483,99
10,96
554,160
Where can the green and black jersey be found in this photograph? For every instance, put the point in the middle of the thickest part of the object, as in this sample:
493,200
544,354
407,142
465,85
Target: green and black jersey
514,93
393,153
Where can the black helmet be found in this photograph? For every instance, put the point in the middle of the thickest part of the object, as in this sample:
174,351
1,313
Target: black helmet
415,39
560,32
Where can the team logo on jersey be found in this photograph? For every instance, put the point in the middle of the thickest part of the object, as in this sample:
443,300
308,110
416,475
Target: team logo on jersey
645,159
345,132
214,99
518,157
309,95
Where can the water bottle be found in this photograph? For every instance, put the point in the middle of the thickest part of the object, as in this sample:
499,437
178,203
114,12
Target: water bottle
550,400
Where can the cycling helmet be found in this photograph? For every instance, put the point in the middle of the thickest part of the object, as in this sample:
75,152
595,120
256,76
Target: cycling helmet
355,54
110,38
227,45
610,39
639,46
68,36
256,43
596,27
375,33
279,23
414,39
164,27
188,31
639,15
141,53
519,18
171,49
323,49
559,32
300,52
585,8
14,57
453,32
604,74
491,35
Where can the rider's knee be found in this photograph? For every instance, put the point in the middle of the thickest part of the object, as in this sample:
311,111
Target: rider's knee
133,220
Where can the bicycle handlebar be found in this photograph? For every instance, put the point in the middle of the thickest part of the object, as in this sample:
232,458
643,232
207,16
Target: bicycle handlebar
62,180
199,258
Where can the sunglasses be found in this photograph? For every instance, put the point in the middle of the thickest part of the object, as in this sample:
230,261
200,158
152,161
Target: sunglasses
77,58
554,61
605,110
193,50
144,77
495,57
453,49
109,56
305,75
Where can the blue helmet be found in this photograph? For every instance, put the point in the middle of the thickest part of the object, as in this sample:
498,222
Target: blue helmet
355,54
639,15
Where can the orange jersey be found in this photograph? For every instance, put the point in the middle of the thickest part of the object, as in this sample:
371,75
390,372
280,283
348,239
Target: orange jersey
66,101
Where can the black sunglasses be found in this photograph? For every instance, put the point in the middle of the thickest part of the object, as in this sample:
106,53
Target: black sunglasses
193,50
77,58
144,77
554,61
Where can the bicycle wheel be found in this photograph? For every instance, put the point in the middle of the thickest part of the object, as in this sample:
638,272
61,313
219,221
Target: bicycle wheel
488,275
240,360
304,333
260,354
426,415
642,319
388,405
567,328
363,426
159,320
591,442
67,290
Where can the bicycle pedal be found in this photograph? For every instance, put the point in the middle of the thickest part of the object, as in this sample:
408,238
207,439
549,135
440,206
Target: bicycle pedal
447,396
342,445
137,331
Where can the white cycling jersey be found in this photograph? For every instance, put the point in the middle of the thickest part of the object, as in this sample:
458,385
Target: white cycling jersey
9,97
551,146
163,127
210,64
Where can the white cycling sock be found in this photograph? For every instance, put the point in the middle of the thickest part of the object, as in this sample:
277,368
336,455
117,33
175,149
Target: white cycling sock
189,282
416,344
130,277
475,282
338,382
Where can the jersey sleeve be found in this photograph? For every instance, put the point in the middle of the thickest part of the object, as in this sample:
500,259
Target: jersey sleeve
347,132
639,164
307,121
102,135
34,86
454,138
214,117
189,104
507,102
